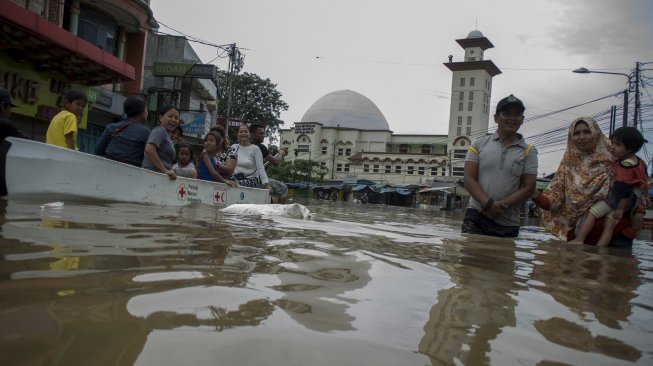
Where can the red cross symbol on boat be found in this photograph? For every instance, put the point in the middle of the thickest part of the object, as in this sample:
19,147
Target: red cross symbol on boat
181,192
218,197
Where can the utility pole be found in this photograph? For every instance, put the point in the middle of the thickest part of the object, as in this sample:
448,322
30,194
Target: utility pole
636,112
235,64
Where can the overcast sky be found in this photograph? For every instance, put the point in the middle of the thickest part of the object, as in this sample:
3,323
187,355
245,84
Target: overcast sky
393,52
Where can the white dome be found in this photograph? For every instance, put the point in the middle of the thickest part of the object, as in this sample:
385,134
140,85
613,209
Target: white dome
475,34
346,109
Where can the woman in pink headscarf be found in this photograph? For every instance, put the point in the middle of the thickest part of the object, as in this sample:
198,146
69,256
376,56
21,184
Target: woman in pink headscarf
580,181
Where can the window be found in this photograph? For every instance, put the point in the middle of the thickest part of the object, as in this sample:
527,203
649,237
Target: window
324,150
426,149
459,131
458,172
469,120
98,29
346,167
366,168
397,169
469,130
411,170
459,154
471,95
461,96
421,170
434,170
340,152
442,171
403,149
470,106
472,80
347,152
462,81
338,167
486,84
460,120
460,107
463,143
323,164
388,169
375,169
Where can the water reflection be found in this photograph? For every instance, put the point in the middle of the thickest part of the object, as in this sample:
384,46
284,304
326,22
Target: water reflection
471,313
594,286
96,283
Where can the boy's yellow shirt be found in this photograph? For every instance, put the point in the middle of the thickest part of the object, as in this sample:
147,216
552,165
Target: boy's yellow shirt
62,124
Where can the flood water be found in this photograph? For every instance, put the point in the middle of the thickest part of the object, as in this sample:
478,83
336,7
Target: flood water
120,284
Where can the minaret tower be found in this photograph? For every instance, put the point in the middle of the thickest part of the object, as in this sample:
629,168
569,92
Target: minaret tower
471,88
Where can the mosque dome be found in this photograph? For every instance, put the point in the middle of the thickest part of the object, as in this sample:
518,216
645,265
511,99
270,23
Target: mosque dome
346,109
475,34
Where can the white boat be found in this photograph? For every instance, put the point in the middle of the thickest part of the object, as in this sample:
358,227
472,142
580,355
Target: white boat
33,169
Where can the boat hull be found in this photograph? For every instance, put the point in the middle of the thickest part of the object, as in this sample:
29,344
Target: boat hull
32,169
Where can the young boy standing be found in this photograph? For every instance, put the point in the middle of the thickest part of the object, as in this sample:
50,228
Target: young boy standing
63,127
629,187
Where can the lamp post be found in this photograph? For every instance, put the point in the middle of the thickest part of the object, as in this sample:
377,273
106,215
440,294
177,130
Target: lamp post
583,70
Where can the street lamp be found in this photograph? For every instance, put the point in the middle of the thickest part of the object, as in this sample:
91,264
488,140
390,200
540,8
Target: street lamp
583,70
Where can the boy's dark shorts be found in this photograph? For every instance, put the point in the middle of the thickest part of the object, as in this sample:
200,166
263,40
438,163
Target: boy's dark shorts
475,223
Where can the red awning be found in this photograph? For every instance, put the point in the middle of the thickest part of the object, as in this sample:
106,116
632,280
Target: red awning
27,37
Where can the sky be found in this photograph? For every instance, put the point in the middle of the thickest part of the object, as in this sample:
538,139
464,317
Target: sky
393,53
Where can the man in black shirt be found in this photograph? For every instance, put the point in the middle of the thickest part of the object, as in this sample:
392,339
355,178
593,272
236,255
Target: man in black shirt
257,133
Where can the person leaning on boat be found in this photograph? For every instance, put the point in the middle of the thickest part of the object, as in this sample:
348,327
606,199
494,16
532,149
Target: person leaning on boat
125,141
159,150
7,128
500,173
249,171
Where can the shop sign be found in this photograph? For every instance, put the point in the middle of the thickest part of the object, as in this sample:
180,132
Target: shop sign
170,69
305,129
303,148
38,94
197,71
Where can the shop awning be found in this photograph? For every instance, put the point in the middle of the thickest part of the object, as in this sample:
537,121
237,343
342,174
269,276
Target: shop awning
455,190
29,38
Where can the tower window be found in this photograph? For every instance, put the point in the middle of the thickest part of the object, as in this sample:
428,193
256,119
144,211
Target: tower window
471,95
460,120
403,149
470,106
462,81
471,81
469,120
460,107
462,96
460,131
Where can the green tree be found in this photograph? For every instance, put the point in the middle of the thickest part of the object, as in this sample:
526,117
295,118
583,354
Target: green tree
297,171
253,100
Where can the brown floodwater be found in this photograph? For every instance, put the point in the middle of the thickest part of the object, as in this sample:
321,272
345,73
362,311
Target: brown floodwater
91,283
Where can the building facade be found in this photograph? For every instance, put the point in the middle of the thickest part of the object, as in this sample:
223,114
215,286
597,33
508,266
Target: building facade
350,138
168,63
471,90
50,46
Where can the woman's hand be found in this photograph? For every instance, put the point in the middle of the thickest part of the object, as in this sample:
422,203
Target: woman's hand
230,183
171,174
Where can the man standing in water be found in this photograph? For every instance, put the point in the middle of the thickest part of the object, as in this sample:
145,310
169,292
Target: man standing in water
257,133
500,173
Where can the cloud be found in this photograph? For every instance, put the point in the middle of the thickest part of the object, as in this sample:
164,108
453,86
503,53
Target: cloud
611,30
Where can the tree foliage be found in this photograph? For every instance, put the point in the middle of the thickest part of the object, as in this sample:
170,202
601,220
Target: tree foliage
297,171
253,100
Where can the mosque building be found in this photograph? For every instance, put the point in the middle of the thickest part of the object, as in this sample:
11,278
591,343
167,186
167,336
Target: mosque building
351,139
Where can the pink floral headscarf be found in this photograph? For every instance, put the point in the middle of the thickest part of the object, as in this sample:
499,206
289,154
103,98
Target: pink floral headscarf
580,181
